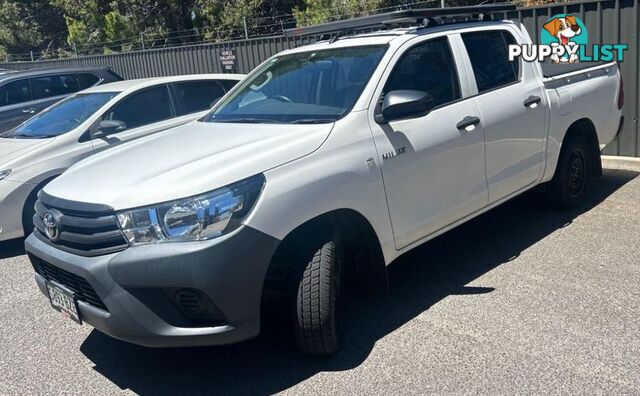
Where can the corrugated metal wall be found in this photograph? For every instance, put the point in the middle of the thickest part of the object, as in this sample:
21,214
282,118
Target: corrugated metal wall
612,21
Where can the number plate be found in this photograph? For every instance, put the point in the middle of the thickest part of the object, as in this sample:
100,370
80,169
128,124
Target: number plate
63,300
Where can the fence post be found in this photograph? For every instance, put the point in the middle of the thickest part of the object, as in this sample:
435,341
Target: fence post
75,49
246,32
142,40
31,56
441,3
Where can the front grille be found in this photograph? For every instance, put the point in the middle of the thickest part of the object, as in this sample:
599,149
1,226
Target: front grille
82,289
80,232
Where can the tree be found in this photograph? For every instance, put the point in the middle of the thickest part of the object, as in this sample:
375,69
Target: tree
118,25
30,26
313,12
225,18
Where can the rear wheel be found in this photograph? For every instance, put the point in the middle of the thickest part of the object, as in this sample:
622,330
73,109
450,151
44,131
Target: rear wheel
569,187
318,297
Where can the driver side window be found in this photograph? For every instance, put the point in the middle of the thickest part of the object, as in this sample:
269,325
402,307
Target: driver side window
428,67
142,108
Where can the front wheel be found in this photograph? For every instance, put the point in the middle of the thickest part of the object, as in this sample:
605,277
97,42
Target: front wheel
28,212
570,184
318,298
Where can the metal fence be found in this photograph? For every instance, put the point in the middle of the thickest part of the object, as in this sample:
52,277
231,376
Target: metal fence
611,21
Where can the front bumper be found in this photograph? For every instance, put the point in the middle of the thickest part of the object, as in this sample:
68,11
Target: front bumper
132,284
13,196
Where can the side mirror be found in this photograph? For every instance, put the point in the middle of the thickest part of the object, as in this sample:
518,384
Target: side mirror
109,127
404,103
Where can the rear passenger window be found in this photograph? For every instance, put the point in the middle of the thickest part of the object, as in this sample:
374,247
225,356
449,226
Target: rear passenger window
194,96
427,67
86,80
488,52
228,84
142,108
14,92
48,86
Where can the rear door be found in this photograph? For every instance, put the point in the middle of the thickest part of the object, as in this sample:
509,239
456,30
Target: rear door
144,112
47,90
512,103
15,104
433,171
87,80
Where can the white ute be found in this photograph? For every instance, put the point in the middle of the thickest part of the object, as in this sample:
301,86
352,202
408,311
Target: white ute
329,159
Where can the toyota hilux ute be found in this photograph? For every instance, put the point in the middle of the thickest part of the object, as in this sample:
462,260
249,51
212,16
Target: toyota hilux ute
328,160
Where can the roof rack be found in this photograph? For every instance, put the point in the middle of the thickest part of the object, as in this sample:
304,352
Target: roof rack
403,18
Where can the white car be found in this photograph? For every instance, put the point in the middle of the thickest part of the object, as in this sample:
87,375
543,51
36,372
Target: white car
328,159
43,147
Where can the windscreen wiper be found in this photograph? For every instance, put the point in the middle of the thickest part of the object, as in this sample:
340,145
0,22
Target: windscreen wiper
311,121
248,120
19,136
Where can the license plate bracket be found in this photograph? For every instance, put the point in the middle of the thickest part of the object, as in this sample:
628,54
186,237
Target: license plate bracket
63,300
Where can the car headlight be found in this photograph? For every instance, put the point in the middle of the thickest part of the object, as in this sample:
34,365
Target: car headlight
198,218
5,173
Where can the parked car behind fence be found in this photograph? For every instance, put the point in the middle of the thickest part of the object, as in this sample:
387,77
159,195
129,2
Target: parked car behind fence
25,93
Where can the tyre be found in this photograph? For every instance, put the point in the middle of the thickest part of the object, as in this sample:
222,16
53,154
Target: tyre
28,212
318,299
570,184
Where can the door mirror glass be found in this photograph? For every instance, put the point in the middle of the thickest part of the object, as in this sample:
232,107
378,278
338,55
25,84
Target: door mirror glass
109,127
404,103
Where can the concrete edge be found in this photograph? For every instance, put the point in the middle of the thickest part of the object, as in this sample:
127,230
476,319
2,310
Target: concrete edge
615,162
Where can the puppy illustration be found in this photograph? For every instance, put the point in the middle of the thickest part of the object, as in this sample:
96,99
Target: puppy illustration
564,29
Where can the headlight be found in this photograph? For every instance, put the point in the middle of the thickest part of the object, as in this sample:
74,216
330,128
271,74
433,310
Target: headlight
5,173
197,218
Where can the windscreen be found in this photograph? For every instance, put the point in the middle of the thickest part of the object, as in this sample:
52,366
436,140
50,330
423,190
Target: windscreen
307,87
62,117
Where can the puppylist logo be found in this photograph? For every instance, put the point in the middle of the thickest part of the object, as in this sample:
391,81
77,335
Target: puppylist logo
565,39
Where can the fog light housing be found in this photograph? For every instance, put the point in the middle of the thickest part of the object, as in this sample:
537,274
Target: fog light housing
196,306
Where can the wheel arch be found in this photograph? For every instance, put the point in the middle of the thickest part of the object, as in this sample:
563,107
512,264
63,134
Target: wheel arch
365,257
585,127
32,198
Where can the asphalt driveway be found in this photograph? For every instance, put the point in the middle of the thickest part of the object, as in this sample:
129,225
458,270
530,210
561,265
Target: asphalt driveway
520,300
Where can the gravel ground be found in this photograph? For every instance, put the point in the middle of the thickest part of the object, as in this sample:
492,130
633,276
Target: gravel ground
520,300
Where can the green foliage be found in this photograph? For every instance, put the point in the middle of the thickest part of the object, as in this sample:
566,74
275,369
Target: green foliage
77,32
224,19
117,28
29,25
320,11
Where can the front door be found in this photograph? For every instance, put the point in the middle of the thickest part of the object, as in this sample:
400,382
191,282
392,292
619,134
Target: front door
433,171
143,113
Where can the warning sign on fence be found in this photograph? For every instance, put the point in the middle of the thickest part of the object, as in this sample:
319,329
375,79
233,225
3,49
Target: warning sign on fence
228,60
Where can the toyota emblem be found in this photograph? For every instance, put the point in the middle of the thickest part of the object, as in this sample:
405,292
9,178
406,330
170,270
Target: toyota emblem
50,226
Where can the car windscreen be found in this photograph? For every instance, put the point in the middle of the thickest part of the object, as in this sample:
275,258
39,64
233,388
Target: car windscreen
306,87
62,117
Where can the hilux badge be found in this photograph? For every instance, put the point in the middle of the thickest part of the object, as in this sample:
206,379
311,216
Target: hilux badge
395,153
50,226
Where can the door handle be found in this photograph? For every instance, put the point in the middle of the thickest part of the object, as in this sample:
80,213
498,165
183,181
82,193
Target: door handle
29,110
467,122
531,100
